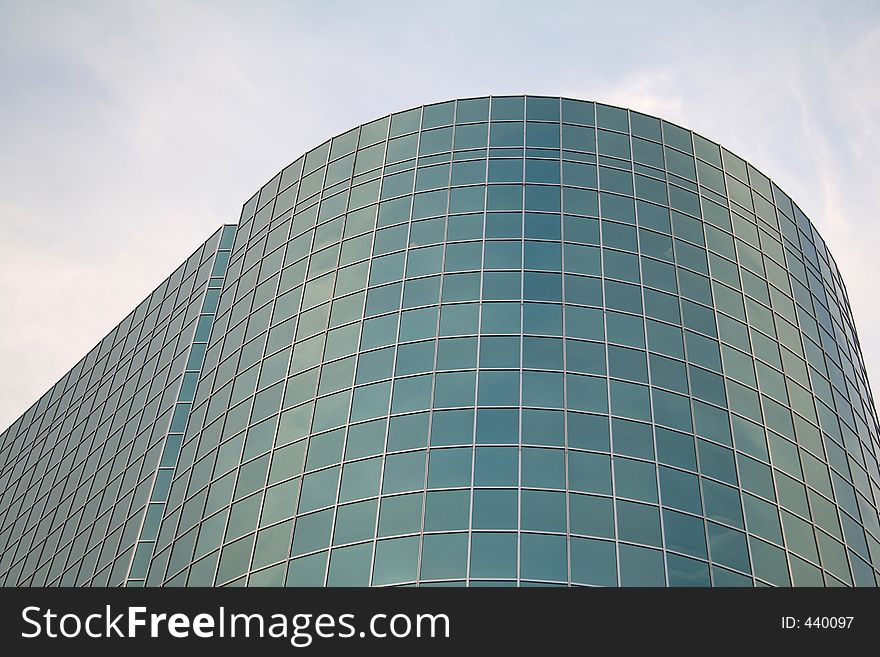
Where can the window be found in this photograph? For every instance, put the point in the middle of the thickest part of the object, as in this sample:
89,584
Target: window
350,566
497,426
496,509
496,466
593,562
543,468
641,566
449,467
493,555
447,509
543,557
360,479
638,523
543,511
453,427
404,472
396,561
355,522
444,556
400,514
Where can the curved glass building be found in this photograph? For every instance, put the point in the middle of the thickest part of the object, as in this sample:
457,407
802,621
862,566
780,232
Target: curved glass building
492,341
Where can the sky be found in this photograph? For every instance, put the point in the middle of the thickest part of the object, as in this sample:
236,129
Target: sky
129,131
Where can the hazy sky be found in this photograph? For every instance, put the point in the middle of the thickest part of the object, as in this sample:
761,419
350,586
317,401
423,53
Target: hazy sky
130,130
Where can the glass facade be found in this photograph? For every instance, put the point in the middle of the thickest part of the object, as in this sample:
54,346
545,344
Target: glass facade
493,341
77,470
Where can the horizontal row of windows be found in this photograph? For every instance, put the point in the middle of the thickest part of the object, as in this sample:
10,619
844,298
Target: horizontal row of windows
498,427
637,525
675,488
494,555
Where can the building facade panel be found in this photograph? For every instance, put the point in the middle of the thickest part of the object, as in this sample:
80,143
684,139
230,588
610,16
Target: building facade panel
77,469
515,341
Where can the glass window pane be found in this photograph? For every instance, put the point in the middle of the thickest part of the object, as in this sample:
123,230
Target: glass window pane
397,561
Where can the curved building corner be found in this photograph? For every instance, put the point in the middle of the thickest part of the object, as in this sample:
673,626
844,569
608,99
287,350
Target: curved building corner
490,342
